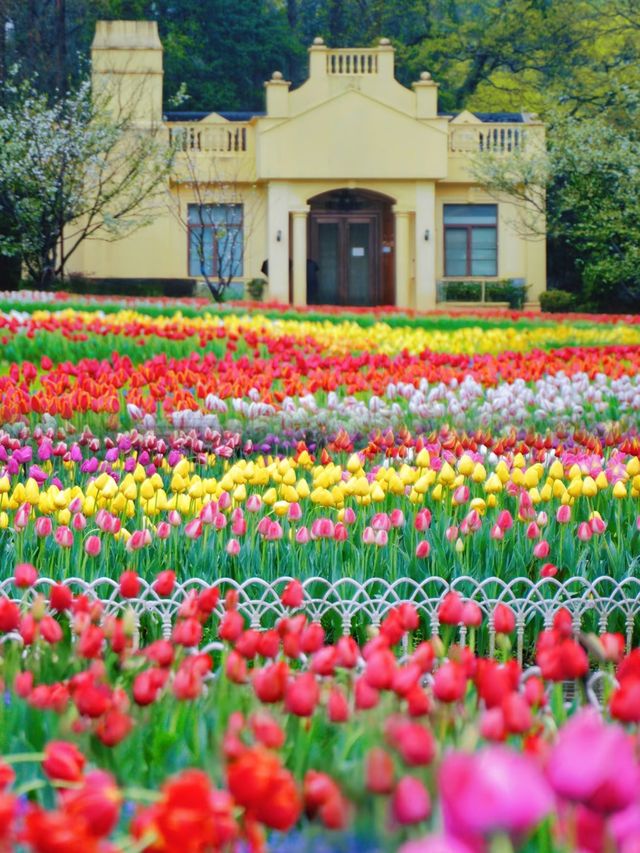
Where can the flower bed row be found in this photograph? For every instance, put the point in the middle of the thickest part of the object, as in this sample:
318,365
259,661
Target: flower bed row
449,507
404,744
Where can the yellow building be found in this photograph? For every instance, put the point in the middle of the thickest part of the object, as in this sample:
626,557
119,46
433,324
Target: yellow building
352,188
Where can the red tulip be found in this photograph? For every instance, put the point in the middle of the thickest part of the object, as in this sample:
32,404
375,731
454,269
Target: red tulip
302,694
450,682
451,609
338,706
25,575
503,619
60,597
165,582
379,772
292,595
129,584
63,761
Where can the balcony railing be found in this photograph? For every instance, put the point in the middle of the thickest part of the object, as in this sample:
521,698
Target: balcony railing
498,138
229,139
350,63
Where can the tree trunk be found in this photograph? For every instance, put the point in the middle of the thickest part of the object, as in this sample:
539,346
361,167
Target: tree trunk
61,46
292,14
3,41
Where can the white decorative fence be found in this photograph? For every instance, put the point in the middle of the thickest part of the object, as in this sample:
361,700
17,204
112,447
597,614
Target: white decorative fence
352,601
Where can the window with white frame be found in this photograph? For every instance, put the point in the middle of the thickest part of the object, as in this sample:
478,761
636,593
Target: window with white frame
470,239
216,240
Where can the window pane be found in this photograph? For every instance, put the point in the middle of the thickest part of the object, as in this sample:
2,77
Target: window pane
455,251
484,251
214,214
470,214
200,249
230,251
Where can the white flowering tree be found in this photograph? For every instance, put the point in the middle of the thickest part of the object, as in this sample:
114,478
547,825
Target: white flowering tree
70,170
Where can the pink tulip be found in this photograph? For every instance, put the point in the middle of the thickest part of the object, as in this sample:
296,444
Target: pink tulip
224,501
233,548
219,521
349,516
381,521
103,520
92,545
541,549
533,531
397,518
208,512
79,522
21,519
497,532
263,525
254,503
174,518
368,536
584,532
563,515
63,536
294,513
381,538
422,549
493,790
597,525
273,532
239,526
163,530
505,519
451,533
593,763
422,520
75,506
410,802
340,534
302,535
193,529
43,527
542,518
461,495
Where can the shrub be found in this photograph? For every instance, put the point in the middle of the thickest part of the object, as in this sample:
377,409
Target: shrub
462,291
256,288
558,301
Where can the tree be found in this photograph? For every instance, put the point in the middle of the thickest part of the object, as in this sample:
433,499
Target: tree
69,171
591,176
215,204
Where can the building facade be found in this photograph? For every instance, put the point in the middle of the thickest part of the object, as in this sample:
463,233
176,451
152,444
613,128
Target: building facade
349,190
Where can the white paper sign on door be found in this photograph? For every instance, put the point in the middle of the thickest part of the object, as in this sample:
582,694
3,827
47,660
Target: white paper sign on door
357,252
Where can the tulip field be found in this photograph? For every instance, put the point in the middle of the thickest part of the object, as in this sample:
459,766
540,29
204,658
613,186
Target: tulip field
357,581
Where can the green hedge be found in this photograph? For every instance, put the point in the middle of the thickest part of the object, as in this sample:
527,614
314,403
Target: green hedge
558,301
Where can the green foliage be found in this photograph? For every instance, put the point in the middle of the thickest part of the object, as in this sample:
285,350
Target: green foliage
558,301
256,288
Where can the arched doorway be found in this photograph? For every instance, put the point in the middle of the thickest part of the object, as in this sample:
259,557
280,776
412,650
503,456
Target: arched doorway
350,249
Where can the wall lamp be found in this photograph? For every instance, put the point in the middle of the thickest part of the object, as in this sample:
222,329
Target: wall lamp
426,234
279,236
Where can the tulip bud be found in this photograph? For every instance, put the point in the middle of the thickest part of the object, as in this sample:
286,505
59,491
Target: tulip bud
563,515
92,545
43,527
410,802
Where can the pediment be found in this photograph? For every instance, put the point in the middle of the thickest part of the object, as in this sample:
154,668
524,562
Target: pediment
466,117
352,135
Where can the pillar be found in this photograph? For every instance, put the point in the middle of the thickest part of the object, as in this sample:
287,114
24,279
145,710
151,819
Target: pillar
278,241
299,256
426,236
402,259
